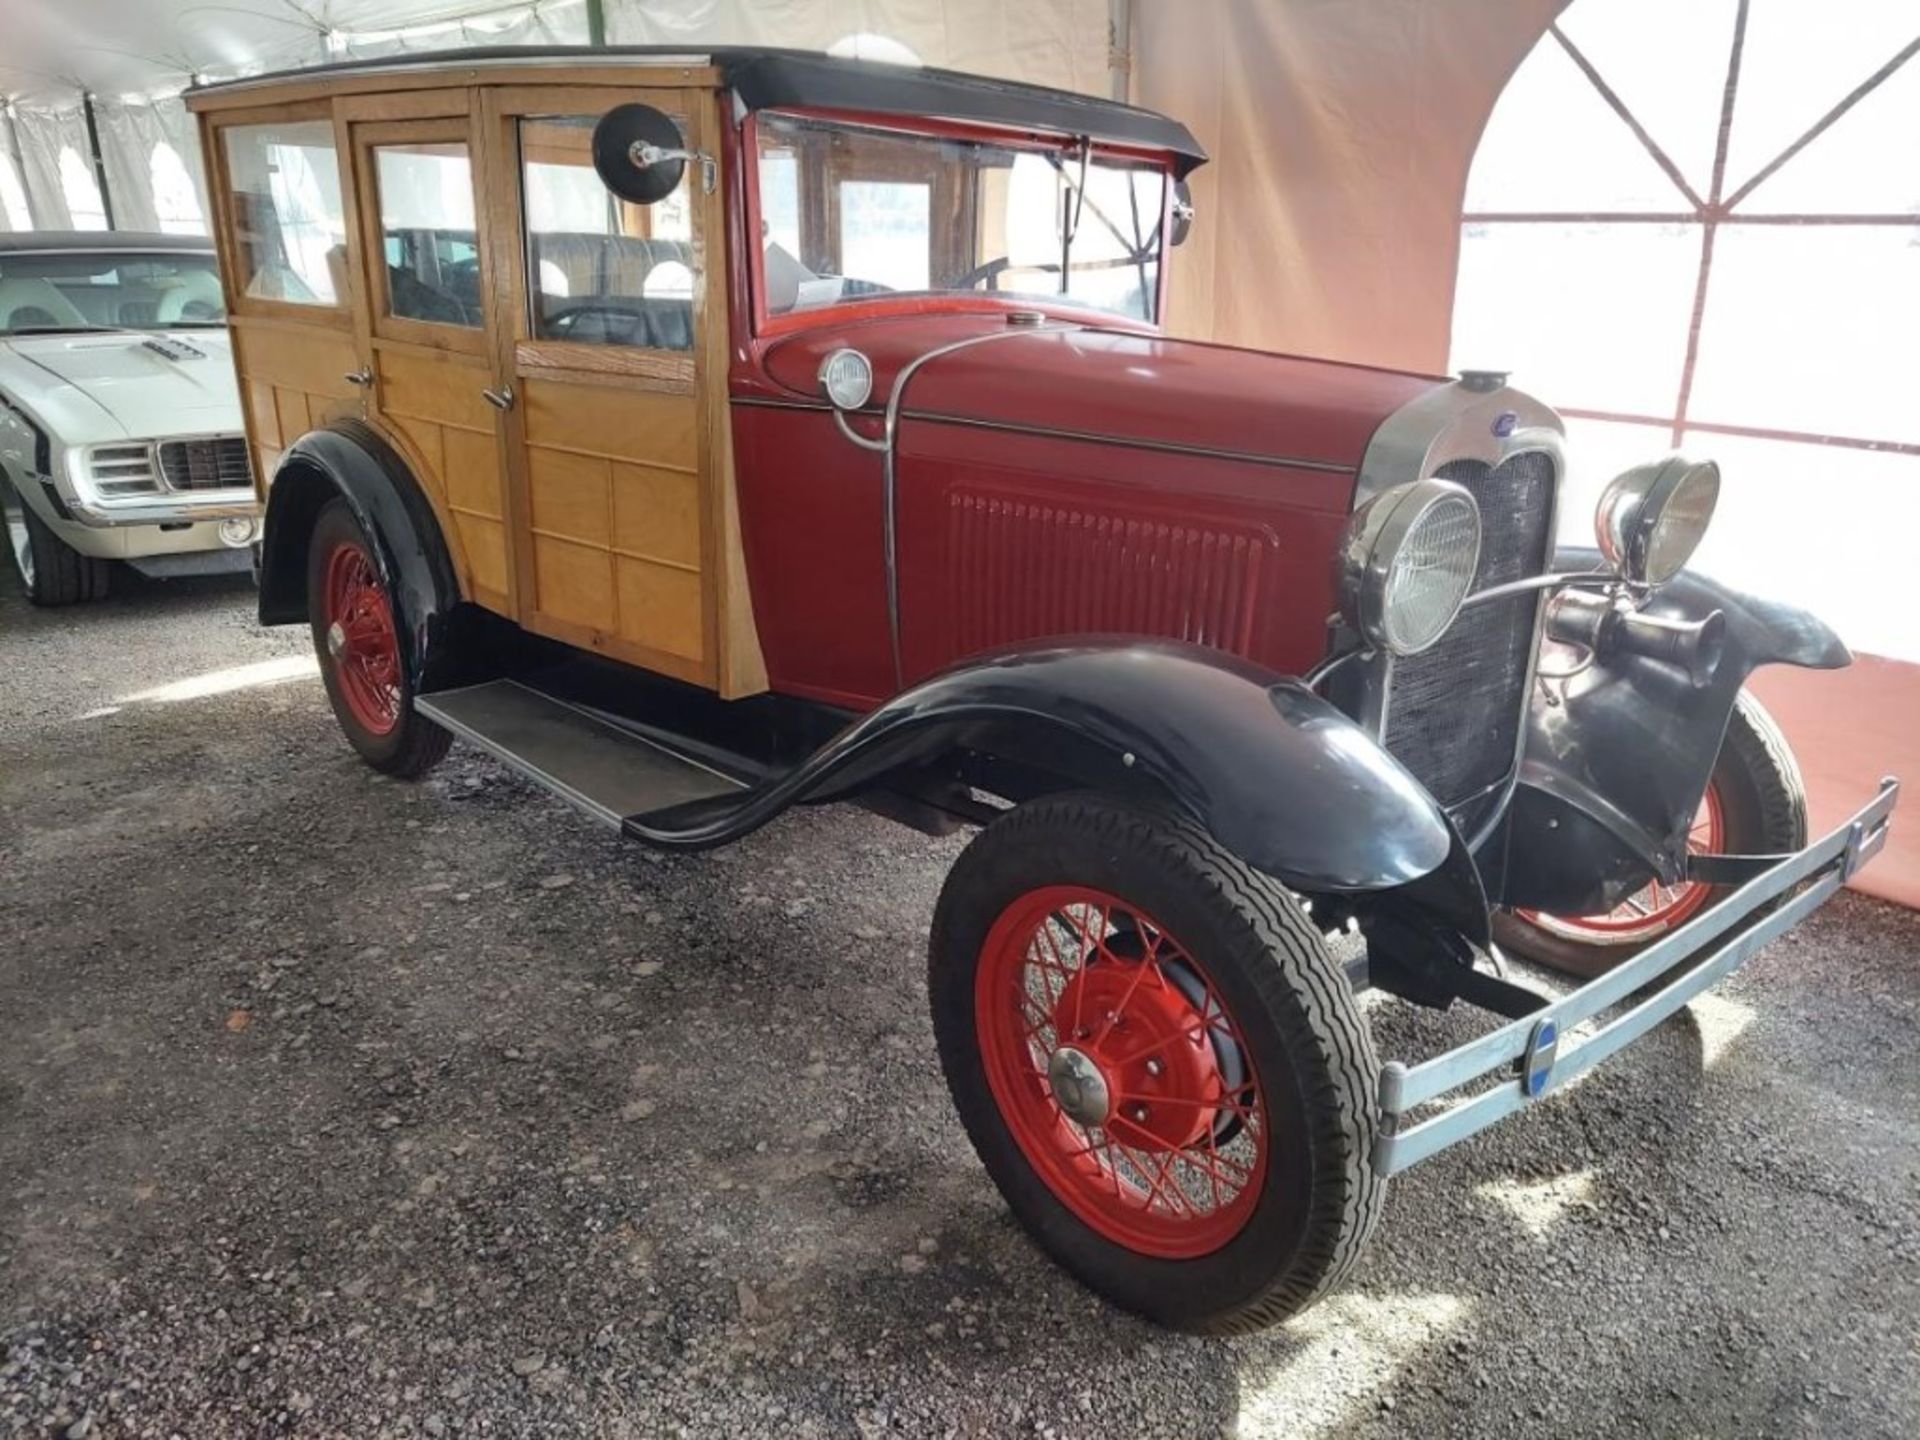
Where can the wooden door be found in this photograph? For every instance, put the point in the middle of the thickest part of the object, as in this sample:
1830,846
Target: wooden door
427,316
613,337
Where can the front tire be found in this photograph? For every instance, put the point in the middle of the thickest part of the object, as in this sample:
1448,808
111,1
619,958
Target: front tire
1159,1063
356,634
51,571
1756,804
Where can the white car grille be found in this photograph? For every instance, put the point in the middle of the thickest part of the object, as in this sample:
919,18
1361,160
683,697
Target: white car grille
118,471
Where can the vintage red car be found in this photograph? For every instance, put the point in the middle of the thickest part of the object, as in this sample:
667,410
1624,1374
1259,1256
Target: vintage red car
706,435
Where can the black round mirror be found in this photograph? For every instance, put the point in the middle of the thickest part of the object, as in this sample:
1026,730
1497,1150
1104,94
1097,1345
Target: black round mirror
1182,213
638,153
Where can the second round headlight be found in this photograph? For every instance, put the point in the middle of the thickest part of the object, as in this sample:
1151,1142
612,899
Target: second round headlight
1652,518
1407,563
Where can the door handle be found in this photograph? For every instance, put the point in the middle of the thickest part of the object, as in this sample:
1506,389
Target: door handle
362,377
501,399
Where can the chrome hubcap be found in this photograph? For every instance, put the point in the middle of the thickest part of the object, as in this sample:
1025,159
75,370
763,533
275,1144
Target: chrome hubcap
336,639
1078,1086
17,539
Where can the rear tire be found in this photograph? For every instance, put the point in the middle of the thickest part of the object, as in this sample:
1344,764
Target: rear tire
51,571
1275,1068
1762,810
356,635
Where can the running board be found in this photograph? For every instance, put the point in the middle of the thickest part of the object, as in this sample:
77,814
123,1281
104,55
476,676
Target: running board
599,767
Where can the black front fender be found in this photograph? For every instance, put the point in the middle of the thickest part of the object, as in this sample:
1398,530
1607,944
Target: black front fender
1618,757
1275,773
350,460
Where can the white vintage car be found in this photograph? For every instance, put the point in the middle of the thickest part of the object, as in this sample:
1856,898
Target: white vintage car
120,430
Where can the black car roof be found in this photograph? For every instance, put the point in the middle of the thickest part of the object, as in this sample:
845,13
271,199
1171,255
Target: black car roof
31,240
802,79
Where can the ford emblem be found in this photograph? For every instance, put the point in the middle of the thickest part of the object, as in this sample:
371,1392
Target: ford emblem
1504,422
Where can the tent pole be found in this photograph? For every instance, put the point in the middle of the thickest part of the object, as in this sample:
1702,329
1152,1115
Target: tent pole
99,162
596,23
1119,49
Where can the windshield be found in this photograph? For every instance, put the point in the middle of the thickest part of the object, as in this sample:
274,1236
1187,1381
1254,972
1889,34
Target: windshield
848,212
109,290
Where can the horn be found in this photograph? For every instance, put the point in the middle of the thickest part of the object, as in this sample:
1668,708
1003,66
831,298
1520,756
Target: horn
1695,646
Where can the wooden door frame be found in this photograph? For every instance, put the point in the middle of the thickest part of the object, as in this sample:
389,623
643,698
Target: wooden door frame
518,355
362,122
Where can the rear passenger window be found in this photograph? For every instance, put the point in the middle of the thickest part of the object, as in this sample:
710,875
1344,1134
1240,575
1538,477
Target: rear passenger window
288,225
427,230
600,271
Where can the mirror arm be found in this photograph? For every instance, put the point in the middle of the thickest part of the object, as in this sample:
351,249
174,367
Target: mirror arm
645,157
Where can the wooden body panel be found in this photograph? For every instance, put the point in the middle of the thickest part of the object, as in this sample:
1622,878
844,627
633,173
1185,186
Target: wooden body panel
292,380
430,401
600,507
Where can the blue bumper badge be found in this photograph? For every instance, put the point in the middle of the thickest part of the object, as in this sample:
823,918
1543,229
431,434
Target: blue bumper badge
1536,1067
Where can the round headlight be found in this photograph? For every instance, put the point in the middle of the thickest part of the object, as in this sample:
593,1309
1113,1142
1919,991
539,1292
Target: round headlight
1652,517
847,377
1407,562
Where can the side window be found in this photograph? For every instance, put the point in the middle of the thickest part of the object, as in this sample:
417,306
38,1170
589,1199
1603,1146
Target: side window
600,271
425,189
289,228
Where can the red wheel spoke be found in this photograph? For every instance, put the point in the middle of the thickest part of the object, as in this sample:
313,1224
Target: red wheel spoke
1135,1159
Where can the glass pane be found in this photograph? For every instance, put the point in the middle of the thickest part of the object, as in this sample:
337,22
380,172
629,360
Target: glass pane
601,271
1553,144
1812,327
1799,61
883,233
848,213
427,230
287,219
1673,88
1822,527
1861,165
1585,316
50,291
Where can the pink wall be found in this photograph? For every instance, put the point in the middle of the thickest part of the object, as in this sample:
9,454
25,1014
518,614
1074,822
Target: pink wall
1342,132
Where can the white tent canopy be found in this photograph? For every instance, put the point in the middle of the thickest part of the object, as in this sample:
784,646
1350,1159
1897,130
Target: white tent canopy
127,61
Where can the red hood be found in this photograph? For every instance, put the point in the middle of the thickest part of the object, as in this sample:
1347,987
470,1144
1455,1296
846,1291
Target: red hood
1117,385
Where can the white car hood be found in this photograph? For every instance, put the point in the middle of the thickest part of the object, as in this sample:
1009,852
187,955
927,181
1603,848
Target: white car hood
128,385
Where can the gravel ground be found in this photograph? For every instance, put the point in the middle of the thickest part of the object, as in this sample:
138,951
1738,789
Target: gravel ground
341,1107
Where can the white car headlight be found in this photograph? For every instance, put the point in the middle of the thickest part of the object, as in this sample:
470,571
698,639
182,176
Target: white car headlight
1407,562
1652,518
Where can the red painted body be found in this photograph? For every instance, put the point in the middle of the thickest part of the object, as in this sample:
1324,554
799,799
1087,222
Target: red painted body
1088,477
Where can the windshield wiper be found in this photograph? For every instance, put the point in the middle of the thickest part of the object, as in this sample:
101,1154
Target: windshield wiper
66,330
1069,227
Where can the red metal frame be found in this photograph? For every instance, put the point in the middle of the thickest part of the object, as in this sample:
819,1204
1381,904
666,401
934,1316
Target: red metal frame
1178,1165
1715,209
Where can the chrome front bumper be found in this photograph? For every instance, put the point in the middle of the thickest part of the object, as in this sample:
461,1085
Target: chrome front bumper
1534,1056
170,508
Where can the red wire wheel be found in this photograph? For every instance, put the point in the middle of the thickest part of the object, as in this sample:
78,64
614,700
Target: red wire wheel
363,643
1659,907
1120,1072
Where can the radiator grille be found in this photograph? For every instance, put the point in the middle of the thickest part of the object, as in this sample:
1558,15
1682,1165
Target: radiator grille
218,463
1454,711
1021,569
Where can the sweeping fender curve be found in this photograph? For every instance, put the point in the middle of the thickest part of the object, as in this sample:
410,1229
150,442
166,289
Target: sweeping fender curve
1279,776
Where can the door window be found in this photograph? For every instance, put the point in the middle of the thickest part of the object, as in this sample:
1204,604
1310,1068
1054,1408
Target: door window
288,224
425,192
600,271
